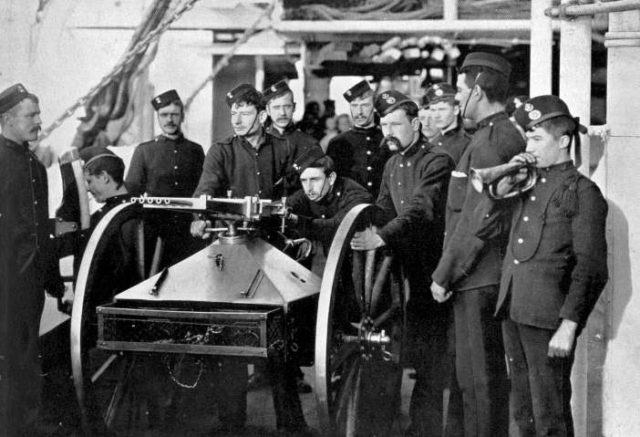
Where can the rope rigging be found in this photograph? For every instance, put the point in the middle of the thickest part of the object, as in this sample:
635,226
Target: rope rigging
127,59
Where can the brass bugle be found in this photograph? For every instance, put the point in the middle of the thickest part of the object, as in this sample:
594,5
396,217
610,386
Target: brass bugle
486,177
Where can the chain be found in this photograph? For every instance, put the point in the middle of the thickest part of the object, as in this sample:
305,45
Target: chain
224,61
128,57
174,377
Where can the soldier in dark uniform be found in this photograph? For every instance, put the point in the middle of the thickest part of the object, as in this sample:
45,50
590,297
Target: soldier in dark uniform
470,268
325,198
169,165
357,153
554,270
412,200
446,116
28,265
251,163
278,100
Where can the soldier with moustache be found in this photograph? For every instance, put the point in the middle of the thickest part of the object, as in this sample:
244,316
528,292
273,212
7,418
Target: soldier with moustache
469,269
446,116
412,205
251,163
555,265
279,104
169,165
357,153
28,264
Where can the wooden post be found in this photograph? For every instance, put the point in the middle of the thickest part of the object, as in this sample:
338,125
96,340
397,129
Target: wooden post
259,80
575,74
541,49
450,11
621,383
575,90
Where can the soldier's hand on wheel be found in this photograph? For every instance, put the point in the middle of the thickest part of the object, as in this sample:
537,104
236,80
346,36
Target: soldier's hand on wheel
562,342
198,228
439,293
367,239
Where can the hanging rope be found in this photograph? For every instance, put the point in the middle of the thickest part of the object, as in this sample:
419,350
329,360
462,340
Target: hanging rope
127,58
224,61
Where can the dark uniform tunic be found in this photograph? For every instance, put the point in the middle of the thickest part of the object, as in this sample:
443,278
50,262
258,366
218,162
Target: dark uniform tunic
471,266
357,155
28,266
412,197
555,268
165,167
301,140
320,220
454,141
234,164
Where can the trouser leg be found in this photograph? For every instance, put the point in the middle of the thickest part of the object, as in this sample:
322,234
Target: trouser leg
549,382
480,365
286,401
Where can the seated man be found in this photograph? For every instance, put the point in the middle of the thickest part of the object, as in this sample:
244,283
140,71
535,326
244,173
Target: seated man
324,200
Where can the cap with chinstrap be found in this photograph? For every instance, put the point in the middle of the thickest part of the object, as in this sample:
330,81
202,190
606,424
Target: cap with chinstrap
357,90
11,96
307,159
243,92
165,99
387,101
276,90
488,60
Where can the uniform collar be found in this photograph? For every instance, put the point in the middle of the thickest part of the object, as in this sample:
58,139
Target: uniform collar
117,199
492,119
452,129
178,138
24,147
276,133
556,168
365,130
420,144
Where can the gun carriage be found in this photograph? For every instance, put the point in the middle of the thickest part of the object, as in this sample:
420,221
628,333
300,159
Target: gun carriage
243,298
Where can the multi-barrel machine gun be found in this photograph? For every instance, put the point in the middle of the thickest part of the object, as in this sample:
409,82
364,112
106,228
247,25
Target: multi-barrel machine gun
243,297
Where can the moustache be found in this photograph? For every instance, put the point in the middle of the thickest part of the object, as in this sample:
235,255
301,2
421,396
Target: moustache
391,142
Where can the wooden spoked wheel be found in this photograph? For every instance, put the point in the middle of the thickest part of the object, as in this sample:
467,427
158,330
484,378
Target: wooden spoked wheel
360,333
116,257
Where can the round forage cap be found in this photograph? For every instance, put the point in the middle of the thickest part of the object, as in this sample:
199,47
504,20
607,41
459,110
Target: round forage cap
276,90
438,92
357,90
541,108
240,92
93,154
307,159
390,100
490,60
12,96
165,99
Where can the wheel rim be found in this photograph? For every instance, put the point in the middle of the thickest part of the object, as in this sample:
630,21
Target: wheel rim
101,378
359,335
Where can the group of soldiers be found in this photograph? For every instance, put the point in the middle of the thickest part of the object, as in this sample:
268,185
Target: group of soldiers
513,273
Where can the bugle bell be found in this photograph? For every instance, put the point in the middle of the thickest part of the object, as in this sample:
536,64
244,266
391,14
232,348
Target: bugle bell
487,178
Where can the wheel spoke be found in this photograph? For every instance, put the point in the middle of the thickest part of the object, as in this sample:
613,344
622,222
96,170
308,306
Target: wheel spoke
344,394
368,279
103,368
358,284
119,391
381,280
140,249
343,354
